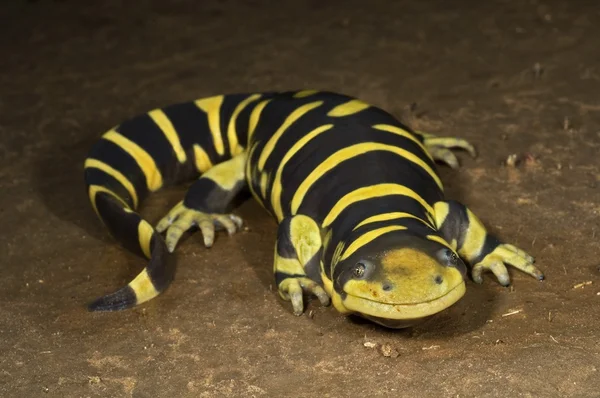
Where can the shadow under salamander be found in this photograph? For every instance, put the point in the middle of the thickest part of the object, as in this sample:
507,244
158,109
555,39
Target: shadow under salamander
58,180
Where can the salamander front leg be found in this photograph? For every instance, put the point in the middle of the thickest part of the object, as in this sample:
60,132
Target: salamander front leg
296,264
439,148
484,252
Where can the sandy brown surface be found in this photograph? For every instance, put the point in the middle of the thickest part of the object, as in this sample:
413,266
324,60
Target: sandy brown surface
510,78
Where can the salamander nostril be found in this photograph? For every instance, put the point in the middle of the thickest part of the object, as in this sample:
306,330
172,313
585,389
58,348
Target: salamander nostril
387,286
438,279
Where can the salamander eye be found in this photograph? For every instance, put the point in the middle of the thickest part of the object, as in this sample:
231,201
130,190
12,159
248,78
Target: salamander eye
359,270
450,256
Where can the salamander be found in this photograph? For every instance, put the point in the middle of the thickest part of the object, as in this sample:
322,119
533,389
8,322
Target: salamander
362,218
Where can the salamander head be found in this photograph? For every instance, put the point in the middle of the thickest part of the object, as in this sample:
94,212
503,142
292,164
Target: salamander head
398,283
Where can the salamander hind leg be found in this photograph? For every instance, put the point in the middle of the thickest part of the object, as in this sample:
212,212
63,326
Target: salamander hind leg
205,204
439,148
181,218
297,261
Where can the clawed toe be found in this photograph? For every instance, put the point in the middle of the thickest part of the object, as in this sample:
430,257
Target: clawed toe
294,288
506,254
180,219
439,148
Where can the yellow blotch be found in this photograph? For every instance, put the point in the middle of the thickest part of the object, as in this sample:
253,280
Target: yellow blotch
234,147
201,159
165,125
277,187
474,237
369,237
255,118
305,235
94,189
229,173
348,108
145,162
143,287
349,153
369,192
116,174
212,107
145,232
403,133
389,216
441,209
305,93
292,117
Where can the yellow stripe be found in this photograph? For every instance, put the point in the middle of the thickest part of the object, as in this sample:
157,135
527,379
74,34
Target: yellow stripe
201,159
165,125
389,216
141,157
277,187
348,153
369,192
264,179
212,107
349,108
368,237
430,218
305,93
292,117
234,147
403,133
94,189
290,266
249,177
437,239
145,232
143,287
337,253
116,174
255,117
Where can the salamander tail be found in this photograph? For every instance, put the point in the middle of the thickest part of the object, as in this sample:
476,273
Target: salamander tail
137,235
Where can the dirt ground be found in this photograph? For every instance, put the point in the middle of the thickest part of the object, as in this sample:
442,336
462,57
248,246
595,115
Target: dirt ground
512,77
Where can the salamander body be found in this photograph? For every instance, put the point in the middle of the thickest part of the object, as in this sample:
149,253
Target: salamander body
362,218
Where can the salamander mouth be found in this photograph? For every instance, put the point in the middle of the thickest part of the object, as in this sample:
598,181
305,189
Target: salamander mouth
402,315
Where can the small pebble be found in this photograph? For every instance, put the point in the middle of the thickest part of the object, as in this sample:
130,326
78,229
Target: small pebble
389,351
370,344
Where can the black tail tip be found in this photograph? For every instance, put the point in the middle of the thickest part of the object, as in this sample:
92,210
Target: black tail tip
120,300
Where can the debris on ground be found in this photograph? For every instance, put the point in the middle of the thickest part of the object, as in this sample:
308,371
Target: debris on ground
388,351
582,285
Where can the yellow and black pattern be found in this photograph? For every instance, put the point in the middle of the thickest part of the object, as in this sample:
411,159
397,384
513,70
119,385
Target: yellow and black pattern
361,211
156,149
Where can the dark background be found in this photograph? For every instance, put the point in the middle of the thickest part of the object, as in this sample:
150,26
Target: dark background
513,77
